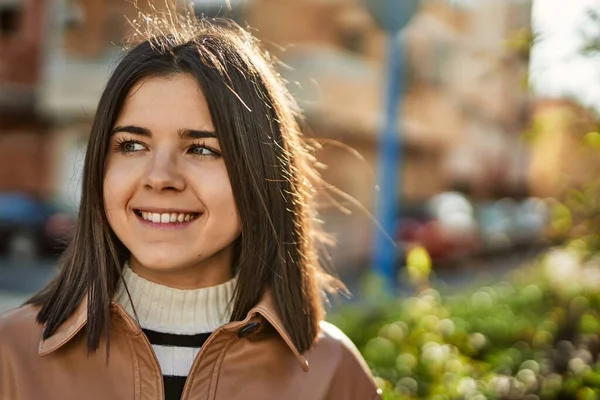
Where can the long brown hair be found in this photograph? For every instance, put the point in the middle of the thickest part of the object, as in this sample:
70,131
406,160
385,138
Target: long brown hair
270,167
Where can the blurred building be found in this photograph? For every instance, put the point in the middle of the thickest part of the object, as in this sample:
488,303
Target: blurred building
24,133
465,106
561,157
469,89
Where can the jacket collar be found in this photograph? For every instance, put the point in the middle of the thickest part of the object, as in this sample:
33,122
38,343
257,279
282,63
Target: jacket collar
265,310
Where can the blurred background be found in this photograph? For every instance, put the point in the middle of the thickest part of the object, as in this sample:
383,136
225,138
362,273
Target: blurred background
471,250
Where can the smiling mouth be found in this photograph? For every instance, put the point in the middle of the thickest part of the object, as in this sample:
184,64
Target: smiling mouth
166,218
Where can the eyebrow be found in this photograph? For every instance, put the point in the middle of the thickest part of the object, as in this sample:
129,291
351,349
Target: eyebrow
182,133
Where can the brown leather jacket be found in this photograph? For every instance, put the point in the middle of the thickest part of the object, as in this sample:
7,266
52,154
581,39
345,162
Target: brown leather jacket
249,359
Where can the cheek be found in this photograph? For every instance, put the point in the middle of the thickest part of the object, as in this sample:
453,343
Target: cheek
110,195
217,195
116,187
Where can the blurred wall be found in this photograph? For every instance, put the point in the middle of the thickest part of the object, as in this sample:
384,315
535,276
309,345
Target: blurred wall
21,39
560,158
24,134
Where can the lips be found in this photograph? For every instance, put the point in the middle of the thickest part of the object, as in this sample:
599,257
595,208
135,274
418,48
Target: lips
166,217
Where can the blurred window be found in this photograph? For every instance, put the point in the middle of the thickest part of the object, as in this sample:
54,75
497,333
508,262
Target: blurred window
73,17
353,40
10,18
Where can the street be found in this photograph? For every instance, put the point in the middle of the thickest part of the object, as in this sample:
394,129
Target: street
18,280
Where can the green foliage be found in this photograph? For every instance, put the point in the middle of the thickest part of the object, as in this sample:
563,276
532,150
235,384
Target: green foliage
591,33
534,334
521,41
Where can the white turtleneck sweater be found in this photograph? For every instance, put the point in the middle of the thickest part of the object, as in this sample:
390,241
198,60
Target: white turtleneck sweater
177,322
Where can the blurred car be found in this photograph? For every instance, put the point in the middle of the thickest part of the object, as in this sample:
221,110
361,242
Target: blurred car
31,228
507,224
495,222
445,226
531,221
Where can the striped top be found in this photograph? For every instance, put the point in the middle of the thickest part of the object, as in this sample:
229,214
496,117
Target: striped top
176,322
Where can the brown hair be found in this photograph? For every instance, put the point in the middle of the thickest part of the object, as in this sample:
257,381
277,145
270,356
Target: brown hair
270,167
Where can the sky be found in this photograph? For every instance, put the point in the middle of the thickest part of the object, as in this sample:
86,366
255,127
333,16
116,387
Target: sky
556,66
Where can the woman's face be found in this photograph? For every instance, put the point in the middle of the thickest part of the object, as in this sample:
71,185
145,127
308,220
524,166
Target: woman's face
166,189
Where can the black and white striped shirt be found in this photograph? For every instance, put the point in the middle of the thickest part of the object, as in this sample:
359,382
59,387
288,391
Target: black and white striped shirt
176,322
175,353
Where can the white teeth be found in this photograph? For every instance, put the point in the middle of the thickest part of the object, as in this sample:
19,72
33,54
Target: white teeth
166,217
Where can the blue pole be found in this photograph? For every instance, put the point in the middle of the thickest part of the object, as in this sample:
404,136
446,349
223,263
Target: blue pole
384,247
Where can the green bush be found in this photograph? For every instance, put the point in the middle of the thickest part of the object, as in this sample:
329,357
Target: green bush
533,336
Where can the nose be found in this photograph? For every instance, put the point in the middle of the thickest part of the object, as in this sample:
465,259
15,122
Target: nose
163,173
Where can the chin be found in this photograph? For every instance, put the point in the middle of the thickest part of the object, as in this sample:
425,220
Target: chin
162,261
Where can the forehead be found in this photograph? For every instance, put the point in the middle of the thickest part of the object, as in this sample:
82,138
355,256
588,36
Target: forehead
166,104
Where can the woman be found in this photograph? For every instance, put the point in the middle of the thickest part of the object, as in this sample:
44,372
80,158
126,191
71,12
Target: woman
193,271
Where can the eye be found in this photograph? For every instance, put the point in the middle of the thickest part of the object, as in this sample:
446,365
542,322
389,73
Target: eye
203,150
130,146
